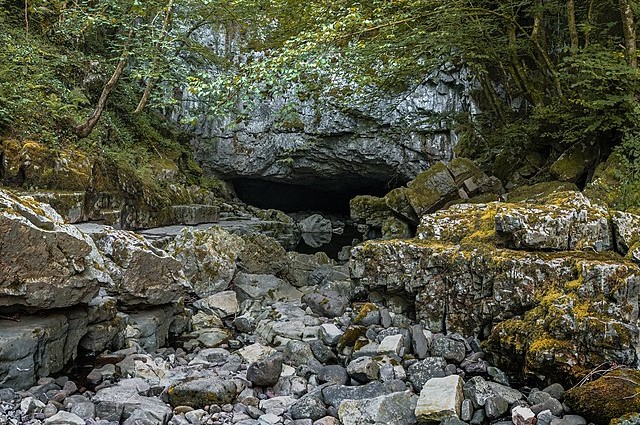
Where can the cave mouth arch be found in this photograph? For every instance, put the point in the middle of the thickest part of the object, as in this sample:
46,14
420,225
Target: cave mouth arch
331,196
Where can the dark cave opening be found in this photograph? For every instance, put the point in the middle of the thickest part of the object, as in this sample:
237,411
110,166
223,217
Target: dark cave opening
287,197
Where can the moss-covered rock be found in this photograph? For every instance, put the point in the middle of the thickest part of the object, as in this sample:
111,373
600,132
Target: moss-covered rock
395,228
567,221
539,192
370,210
562,303
607,183
575,162
628,419
262,255
32,165
396,200
208,258
615,394
463,169
432,189
462,224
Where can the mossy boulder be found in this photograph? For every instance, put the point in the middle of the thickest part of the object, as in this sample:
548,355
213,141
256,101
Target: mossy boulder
567,221
262,255
32,165
575,162
70,205
628,419
432,189
613,395
462,224
563,302
395,228
208,258
463,168
539,192
607,182
396,200
370,210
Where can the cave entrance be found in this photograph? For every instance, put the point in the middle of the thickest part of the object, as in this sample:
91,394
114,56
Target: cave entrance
328,197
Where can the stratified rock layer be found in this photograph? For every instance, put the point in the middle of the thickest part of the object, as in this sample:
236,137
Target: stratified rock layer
540,280
44,263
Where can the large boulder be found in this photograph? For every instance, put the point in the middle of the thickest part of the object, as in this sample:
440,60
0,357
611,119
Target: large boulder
613,395
575,162
440,399
142,274
33,165
569,223
44,263
432,189
119,402
396,408
262,254
202,392
208,258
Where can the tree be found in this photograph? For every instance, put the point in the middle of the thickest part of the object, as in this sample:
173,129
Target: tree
526,54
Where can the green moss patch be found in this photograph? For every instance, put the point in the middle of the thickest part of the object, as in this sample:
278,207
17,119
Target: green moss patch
611,396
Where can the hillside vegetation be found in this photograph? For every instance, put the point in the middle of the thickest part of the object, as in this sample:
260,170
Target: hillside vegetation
551,77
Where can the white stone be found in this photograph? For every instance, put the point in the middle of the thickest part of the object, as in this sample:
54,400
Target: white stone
521,415
277,405
269,419
64,418
224,304
31,405
255,352
330,333
440,399
391,344
288,370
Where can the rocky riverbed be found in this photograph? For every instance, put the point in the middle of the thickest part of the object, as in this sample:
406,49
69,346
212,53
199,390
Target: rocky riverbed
488,312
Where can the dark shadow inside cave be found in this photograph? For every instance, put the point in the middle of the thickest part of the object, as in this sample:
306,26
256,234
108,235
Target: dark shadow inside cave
296,197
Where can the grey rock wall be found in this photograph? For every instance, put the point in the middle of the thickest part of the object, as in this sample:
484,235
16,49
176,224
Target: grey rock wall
314,142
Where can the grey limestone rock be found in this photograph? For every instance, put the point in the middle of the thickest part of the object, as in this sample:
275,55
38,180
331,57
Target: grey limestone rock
265,373
395,408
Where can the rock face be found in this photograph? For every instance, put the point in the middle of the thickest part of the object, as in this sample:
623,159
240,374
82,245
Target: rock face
37,346
553,313
44,263
304,145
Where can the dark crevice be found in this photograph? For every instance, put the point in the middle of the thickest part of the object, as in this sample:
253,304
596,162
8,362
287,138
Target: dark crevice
297,197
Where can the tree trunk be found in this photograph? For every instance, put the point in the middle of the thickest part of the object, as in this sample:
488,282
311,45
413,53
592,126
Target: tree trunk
26,19
538,20
628,26
519,72
85,129
590,19
573,29
151,81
